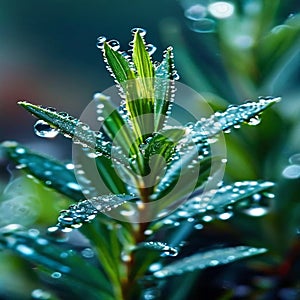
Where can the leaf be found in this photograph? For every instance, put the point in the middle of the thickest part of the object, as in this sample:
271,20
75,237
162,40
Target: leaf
278,45
164,88
216,202
141,58
118,64
40,251
72,127
233,116
163,248
117,129
50,172
207,259
86,210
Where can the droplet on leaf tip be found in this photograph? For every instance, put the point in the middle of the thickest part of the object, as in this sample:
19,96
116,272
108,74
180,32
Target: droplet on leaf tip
44,130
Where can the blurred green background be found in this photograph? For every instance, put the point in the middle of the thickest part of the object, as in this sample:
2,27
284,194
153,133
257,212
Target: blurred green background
48,55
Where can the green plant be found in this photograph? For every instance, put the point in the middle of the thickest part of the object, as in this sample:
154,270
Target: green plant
128,236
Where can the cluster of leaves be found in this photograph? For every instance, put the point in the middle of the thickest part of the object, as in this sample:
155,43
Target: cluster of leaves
130,255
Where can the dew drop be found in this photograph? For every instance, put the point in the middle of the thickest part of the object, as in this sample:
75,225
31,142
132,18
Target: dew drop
150,49
221,9
155,267
198,226
295,159
87,253
114,44
254,121
40,294
291,172
195,12
141,31
100,42
256,211
56,275
225,216
148,232
44,130
207,218
203,25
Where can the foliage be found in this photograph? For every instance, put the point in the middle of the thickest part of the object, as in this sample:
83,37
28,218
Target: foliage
129,254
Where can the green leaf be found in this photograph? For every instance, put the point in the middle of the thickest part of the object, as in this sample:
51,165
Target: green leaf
50,172
164,88
38,250
207,259
86,210
117,129
233,116
215,202
160,247
141,58
119,65
278,45
72,127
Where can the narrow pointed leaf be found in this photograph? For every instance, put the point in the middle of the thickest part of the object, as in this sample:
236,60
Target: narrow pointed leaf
162,248
234,115
40,251
50,172
207,259
86,210
119,65
215,202
72,127
141,58
164,89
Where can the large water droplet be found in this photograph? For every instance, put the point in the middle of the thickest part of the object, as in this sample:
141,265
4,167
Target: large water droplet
44,130
114,44
254,121
291,172
196,12
203,25
150,49
256,211
56,275
100,42
40,294
295,159
221,9
141,31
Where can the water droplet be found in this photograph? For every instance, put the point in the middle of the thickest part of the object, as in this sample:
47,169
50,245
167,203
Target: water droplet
70,166
291,172
148,232
225,216
56,275
87,253
100,42
198,226
40,294
44,130
203,25
114,44
221,9
141,31
20,150
256,211
295,159
73,186
155,267
254,121
207,218
25,250
150,49
195,12
125,257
